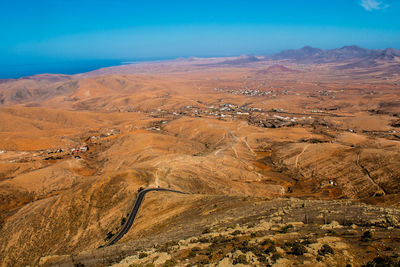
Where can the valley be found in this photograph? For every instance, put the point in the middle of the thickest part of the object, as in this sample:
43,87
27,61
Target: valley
247,137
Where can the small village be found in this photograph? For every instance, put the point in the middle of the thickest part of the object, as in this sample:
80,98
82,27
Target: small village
247,92
54,154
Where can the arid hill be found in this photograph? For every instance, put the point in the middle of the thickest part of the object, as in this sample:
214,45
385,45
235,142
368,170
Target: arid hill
277,69
258,144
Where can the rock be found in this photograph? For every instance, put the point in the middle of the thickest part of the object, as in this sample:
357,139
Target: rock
225,262
162,258
332,225
296,224
381,222
53,260
282,262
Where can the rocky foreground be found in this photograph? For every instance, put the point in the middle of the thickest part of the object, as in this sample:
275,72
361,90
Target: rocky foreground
259,232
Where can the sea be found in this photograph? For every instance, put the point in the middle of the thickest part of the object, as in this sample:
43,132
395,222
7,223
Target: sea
15,71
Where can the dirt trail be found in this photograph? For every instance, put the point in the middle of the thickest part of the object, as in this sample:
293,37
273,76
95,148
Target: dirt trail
298,156
382,191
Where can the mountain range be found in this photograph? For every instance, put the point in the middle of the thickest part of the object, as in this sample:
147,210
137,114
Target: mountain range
348,56
359,57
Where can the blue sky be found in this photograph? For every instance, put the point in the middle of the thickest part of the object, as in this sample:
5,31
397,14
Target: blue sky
56,30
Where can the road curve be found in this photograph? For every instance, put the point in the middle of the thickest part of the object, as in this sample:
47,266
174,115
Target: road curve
128,224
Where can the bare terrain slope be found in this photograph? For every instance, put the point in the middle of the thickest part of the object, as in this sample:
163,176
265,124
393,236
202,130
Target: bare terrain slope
260,143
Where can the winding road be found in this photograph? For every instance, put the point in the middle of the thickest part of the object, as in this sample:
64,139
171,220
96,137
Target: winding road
128,224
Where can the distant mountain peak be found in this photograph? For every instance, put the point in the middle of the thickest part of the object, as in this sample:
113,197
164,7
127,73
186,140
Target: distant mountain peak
277,68
308,47
352,47
391,51
308,54
311,49
389,54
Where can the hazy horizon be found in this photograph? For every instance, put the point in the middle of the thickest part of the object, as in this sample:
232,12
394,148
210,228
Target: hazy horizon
71,67
45,31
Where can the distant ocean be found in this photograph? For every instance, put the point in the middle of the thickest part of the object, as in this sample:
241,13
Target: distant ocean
14,71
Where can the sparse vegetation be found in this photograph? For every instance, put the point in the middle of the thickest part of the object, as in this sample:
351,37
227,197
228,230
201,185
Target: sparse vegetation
192,254
286,228
296,248
142,255
241,259
367,236
167,246
206,231
332,232
270,249
110,235
204,240
220,239
267,241
325,249
308,241
275,257
236,232
382,262
310,143
169,263
210,252
204,262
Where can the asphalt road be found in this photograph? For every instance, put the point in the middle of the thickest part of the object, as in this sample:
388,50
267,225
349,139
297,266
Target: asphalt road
128,224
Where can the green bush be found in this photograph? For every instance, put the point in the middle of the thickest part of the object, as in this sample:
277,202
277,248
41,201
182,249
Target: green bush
267,241
220,239
250,225
169,263
241,259
308,241
286,228
204,261
297,249
142,255
210,253
367,235
236,232
204,240
332,232
270,249
263,259
166,247
325,249
206,231
275,257
382,262
110,235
